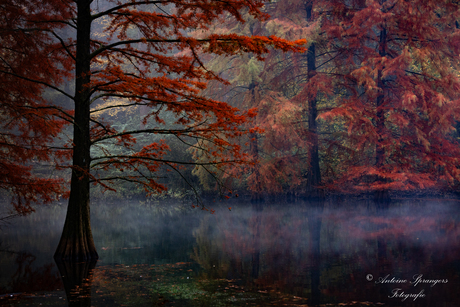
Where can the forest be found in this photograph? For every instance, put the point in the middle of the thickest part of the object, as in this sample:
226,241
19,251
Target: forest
230,152
239,98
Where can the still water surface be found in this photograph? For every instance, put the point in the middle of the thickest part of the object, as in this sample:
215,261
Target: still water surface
290,255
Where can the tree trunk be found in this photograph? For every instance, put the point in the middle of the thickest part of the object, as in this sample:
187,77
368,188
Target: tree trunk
256,194
76,242
381,196
313,169
380,124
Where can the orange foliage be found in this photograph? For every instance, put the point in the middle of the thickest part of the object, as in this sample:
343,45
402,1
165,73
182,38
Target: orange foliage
138,55
277,143
386,82
28,121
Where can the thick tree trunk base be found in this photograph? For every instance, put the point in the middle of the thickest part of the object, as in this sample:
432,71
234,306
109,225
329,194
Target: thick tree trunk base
69,252
77,244
75,248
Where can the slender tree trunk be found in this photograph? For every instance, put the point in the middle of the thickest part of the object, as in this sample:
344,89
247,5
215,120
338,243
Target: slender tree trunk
76,242
381,196
256,195
313,169
380,123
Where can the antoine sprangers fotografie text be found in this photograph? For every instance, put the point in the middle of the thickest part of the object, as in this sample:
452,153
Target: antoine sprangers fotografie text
416,280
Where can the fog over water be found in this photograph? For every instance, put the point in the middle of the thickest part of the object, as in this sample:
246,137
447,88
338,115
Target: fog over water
327,255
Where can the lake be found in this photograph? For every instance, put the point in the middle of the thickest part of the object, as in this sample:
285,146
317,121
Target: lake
240,255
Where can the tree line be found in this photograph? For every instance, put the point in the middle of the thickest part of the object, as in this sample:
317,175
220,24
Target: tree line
370,108
300,97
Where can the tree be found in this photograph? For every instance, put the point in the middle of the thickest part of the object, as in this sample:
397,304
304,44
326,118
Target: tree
313,170
388,86
400,86
385,93
285,90
28,121
142,54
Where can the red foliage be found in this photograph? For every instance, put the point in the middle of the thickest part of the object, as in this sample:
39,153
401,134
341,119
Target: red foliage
28,121
276,141
386,84
172,82
397,64
125,55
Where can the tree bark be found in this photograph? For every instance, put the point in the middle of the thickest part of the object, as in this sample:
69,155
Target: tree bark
380,124
381,196
76,242
313,169
256,195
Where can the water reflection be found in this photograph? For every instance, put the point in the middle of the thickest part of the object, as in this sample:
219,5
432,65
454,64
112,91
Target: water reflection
269,250
27,277
326,256
77,279
262,256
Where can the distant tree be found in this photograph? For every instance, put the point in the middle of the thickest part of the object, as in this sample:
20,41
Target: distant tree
313,172
285,90
400,85
29,124
371,107
142,54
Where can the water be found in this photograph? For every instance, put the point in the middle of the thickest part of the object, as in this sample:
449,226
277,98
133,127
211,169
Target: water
290,255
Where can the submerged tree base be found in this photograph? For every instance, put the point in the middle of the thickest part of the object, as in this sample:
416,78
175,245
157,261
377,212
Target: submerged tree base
69,255
76,243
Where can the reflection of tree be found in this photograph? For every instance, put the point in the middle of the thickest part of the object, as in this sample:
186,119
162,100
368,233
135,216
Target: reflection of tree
315,255
77,278
327,255
208,252
255,223
397,244
28,279
6,218
266,249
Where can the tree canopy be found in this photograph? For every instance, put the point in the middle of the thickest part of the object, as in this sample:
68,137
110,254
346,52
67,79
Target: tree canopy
127,55
29,123
371,106
400,84
374,101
